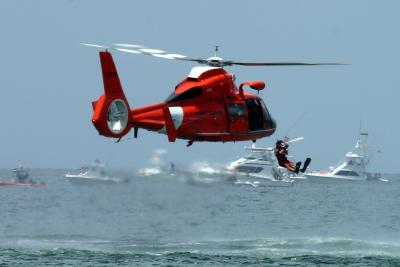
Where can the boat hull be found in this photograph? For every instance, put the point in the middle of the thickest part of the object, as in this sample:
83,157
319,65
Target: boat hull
11,183
328,178
263,181
76,179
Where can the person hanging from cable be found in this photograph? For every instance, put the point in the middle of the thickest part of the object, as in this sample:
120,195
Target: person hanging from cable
281,152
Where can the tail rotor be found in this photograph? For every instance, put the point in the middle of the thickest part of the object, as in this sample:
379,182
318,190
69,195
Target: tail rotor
111,110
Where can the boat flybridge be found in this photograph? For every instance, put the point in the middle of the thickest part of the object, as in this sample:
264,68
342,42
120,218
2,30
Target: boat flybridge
352,168
260,166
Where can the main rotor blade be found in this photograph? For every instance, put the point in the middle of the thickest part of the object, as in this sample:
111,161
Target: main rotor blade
130,45
278,63
95,45
139,49
212,61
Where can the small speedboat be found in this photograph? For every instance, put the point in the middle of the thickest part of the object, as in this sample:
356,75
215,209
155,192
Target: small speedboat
94,174
352,168
21,178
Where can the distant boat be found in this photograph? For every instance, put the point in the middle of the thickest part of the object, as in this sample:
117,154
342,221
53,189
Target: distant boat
258,168
21,175
157,166
94,174
352,168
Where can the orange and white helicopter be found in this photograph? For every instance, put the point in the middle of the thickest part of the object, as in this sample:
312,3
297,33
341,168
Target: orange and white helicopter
205,106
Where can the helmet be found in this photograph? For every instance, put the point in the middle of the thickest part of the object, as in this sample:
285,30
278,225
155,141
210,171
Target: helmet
281,144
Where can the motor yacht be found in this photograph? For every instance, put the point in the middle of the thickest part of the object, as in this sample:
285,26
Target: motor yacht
352,168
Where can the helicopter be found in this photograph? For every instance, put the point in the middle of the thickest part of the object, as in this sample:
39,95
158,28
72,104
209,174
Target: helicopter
205,106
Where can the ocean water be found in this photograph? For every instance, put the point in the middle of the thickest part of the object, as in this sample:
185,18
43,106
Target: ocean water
173,221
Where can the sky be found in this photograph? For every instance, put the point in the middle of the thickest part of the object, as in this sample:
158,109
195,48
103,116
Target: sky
48,79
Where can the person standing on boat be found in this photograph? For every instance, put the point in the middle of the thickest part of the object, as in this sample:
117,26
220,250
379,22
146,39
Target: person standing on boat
281,152
21,174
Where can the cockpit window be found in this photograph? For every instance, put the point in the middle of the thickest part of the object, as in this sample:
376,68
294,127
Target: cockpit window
256,118
236,110
266,113
188,94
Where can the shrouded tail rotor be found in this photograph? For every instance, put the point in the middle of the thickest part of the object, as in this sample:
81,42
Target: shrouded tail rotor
118,115
111,110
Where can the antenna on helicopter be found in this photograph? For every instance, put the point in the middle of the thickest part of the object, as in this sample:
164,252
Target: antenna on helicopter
216,50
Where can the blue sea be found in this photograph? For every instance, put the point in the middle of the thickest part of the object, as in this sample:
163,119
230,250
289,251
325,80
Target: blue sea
170,221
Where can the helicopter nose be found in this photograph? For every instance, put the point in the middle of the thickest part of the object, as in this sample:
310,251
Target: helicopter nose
273,125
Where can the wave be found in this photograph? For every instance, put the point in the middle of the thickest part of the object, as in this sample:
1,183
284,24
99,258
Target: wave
73,257
279,247
256,252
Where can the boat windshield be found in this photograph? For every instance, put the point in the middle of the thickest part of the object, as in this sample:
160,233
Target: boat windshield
249,169
347,173
355,161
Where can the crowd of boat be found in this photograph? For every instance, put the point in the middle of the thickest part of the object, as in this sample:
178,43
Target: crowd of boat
258,167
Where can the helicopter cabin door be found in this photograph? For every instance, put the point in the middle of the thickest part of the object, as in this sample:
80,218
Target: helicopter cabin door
237,117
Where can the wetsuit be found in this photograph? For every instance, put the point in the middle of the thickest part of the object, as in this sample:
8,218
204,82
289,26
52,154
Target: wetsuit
281,150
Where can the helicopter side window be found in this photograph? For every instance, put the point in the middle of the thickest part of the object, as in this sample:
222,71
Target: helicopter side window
188,94
236,110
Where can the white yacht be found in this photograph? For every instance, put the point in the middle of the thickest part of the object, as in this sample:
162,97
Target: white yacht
260,166
93,174
352,168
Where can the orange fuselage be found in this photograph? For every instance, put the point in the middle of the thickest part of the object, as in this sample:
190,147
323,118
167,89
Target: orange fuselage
205,106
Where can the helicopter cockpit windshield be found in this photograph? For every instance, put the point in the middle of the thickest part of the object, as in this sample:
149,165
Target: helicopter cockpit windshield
259,118
269,122
188,94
